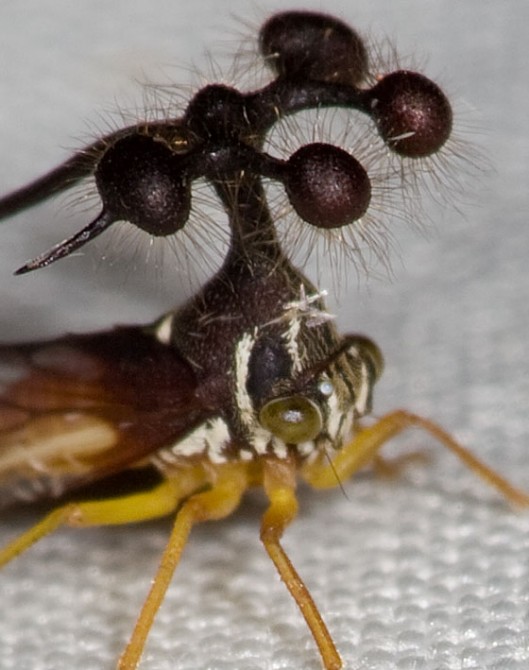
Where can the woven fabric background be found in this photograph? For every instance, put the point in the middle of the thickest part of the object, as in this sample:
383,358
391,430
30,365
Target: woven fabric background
428,571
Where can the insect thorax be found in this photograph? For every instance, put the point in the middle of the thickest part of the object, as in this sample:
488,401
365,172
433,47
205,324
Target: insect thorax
257,333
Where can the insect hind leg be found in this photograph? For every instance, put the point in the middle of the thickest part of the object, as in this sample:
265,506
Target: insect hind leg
367,442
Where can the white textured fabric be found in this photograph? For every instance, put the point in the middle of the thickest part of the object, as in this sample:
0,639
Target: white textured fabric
429,571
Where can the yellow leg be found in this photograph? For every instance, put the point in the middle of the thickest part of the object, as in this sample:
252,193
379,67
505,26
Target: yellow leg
279,484
366,443
158,502
216,503
391,469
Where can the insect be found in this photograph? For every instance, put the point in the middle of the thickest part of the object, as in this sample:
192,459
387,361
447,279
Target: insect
249,384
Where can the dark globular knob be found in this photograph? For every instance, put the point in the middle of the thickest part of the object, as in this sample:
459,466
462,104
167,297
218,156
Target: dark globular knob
307,45
142,181
217,113
412,114
327,187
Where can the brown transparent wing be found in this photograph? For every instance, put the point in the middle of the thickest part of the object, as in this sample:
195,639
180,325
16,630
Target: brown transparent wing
76,409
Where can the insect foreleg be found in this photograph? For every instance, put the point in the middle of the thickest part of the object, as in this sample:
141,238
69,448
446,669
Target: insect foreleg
216,503
279,483
366,443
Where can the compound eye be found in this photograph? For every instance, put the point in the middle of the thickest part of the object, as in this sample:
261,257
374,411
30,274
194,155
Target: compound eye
293,419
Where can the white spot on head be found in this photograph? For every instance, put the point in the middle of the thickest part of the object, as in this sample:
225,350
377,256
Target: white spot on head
163,329
212,436
348,425
305,448
291,337
243,352
279,448
326,387
334,416
363,393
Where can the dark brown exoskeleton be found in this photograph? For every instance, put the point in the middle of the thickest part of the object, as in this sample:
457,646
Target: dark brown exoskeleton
249,383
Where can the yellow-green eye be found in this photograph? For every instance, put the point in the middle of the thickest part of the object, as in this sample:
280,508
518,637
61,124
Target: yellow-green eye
293,419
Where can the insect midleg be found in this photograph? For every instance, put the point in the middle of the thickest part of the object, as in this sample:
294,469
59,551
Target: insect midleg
365,444
158,502
216,503
279,484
